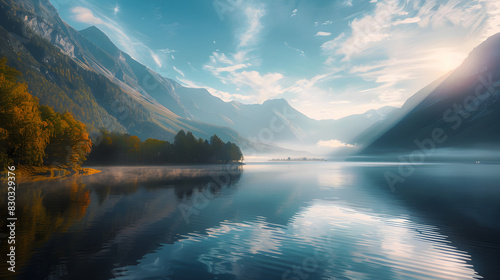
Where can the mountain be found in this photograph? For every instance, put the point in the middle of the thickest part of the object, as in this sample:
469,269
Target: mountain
86,73
460,110
67,71
275,120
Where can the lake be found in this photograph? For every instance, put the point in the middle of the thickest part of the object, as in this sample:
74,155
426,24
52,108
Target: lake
273,220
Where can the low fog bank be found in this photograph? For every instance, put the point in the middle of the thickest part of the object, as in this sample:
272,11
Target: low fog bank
465,155
297,151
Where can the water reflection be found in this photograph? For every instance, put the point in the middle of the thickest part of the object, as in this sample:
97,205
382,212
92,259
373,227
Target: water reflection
108,216
42,211
360,229
273,221
462,199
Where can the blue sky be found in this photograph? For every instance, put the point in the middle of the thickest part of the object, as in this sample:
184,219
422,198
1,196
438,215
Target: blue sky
329,59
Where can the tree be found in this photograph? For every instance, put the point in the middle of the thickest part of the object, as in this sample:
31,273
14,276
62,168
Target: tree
127,149
21,120
69,142
34,134
216,148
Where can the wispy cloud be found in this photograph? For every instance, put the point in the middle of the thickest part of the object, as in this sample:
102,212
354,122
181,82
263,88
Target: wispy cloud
178,71
85,15
127,43
156,58
167,50
191,66
253,28
407,21
367,30
226,96
410,44
233,68
261,87
322,33
328,22
301,52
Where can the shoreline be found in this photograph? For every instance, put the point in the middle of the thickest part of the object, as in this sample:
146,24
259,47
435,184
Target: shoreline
29,174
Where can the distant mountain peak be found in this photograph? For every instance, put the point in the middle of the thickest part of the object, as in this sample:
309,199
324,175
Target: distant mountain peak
94,29
277,101
100,39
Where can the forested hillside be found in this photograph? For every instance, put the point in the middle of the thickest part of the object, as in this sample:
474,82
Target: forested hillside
57,60
34,134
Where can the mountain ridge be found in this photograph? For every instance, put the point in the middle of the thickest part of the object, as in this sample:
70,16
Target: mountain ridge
158,106
463,108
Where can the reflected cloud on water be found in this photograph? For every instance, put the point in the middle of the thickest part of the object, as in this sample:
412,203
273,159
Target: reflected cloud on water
323,221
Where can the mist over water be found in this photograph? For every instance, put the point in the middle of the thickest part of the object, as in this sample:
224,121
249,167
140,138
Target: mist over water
273,220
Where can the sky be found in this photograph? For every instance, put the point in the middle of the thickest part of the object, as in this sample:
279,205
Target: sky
329,59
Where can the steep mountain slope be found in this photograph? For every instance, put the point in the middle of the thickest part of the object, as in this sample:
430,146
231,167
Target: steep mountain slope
68,72
272,121
392,117
127,72
124,95
462,111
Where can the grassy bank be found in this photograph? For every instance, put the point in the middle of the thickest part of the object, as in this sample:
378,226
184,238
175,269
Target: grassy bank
41,173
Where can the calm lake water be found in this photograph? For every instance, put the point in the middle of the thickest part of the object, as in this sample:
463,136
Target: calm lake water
316,220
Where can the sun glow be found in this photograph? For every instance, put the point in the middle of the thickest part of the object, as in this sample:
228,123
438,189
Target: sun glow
446,59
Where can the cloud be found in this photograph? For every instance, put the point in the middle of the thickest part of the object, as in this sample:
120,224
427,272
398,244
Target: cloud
306,85
231,68
167,50
322,33
156,58
328,22
493,14
414,43
262,87
220,63
226,96
178,71
85,15
334,144
253,28
301,52
191,66
408,21
234,68
369,29
294,13
118,34
384,55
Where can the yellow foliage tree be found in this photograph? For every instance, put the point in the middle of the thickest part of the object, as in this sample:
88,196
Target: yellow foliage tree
23,129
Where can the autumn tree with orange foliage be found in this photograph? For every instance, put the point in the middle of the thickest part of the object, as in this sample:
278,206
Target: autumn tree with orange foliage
33,134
